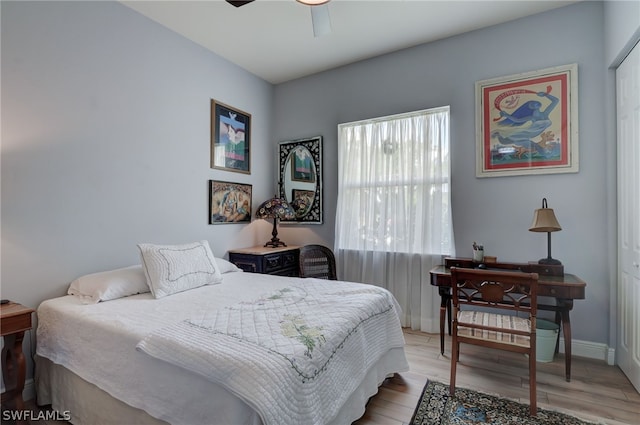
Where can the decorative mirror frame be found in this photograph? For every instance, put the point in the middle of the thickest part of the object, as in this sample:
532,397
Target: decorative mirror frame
314,146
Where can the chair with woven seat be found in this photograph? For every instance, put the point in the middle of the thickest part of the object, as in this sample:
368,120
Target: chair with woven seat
486,305
317,261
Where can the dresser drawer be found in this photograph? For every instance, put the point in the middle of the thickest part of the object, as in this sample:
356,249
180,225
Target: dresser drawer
272,262
17,323
278,261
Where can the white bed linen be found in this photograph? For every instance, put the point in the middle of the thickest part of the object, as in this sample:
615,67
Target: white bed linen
296,355
98,343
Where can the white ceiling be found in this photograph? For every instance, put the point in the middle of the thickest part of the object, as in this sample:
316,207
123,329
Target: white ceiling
274,40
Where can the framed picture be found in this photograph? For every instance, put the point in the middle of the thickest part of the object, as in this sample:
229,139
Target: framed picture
302,169
528,123
300,178
229,202
301,201
230,138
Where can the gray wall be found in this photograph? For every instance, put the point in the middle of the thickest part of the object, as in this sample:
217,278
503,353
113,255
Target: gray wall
622,29
105,142
494,211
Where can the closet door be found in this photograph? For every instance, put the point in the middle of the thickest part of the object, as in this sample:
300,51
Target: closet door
628,126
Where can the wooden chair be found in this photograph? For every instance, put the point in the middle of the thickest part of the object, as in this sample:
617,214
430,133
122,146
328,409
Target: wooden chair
317,261
480,300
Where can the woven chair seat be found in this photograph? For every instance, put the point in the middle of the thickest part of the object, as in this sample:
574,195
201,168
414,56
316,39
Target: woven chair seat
494,320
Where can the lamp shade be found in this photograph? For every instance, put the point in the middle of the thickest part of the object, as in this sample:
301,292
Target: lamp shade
275,208
544,219
313,2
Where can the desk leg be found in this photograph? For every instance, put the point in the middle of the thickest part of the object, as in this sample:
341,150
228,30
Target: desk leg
445,306
558,321
565,307
449,318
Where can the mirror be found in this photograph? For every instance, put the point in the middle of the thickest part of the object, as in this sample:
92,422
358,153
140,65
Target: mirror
301,178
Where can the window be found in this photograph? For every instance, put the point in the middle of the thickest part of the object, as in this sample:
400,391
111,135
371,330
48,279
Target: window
394,183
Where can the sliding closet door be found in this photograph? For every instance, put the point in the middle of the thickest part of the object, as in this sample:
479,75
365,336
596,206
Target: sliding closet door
628,118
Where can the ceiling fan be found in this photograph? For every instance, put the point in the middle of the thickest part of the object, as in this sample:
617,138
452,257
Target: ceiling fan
319,14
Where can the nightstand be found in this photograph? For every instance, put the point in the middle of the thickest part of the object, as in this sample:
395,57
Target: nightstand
282,261
15,319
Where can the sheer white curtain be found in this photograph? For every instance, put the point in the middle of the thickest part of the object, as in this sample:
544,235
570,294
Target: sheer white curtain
393,219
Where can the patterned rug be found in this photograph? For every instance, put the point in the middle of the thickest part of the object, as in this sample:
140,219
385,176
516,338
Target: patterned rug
469,407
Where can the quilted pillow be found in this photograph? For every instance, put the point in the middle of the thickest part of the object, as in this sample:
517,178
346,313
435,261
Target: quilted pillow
175,268
109,285
227,266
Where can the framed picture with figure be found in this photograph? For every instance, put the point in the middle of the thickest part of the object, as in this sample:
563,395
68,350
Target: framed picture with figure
230,138
302,167
302,200
528,123
229,202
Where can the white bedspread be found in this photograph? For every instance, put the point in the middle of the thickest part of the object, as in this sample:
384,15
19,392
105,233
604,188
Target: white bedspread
98,343
295,354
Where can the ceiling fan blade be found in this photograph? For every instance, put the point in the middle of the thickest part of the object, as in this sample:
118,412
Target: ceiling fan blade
320,20
238,3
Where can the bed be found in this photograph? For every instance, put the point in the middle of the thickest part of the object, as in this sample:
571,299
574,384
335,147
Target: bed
249,349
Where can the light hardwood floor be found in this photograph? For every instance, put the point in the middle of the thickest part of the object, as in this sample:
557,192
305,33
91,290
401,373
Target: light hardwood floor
597,392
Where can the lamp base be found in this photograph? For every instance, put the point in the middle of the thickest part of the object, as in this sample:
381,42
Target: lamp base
274,243
550,261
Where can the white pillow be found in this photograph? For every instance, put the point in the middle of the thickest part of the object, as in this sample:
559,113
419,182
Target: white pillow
175,268
227,266
109,285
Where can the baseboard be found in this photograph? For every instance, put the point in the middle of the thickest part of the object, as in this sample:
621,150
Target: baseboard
591,350
29,391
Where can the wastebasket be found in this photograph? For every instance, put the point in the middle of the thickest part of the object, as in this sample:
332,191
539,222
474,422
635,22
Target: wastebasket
546,337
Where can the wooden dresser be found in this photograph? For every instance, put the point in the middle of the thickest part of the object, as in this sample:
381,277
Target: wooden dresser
282,261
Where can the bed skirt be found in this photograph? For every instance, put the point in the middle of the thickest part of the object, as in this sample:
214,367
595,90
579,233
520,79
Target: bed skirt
87,404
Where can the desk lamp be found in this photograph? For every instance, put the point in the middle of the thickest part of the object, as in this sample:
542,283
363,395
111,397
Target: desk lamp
544,220
277,209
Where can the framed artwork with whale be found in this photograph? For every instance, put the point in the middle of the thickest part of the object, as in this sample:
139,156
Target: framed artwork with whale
528,123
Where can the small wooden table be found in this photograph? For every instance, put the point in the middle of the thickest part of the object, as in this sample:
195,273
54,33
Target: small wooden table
15,319
282,261
564,289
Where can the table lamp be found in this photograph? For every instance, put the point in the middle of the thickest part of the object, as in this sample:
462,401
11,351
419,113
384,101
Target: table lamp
544,220
277,209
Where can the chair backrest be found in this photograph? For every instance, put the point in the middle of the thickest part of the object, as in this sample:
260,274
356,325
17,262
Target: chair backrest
489,289
317,261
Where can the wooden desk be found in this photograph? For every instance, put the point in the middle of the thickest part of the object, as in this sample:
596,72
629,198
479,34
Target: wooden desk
564,289
15,319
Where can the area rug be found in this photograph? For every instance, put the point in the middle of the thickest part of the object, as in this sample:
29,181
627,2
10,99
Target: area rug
467,407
